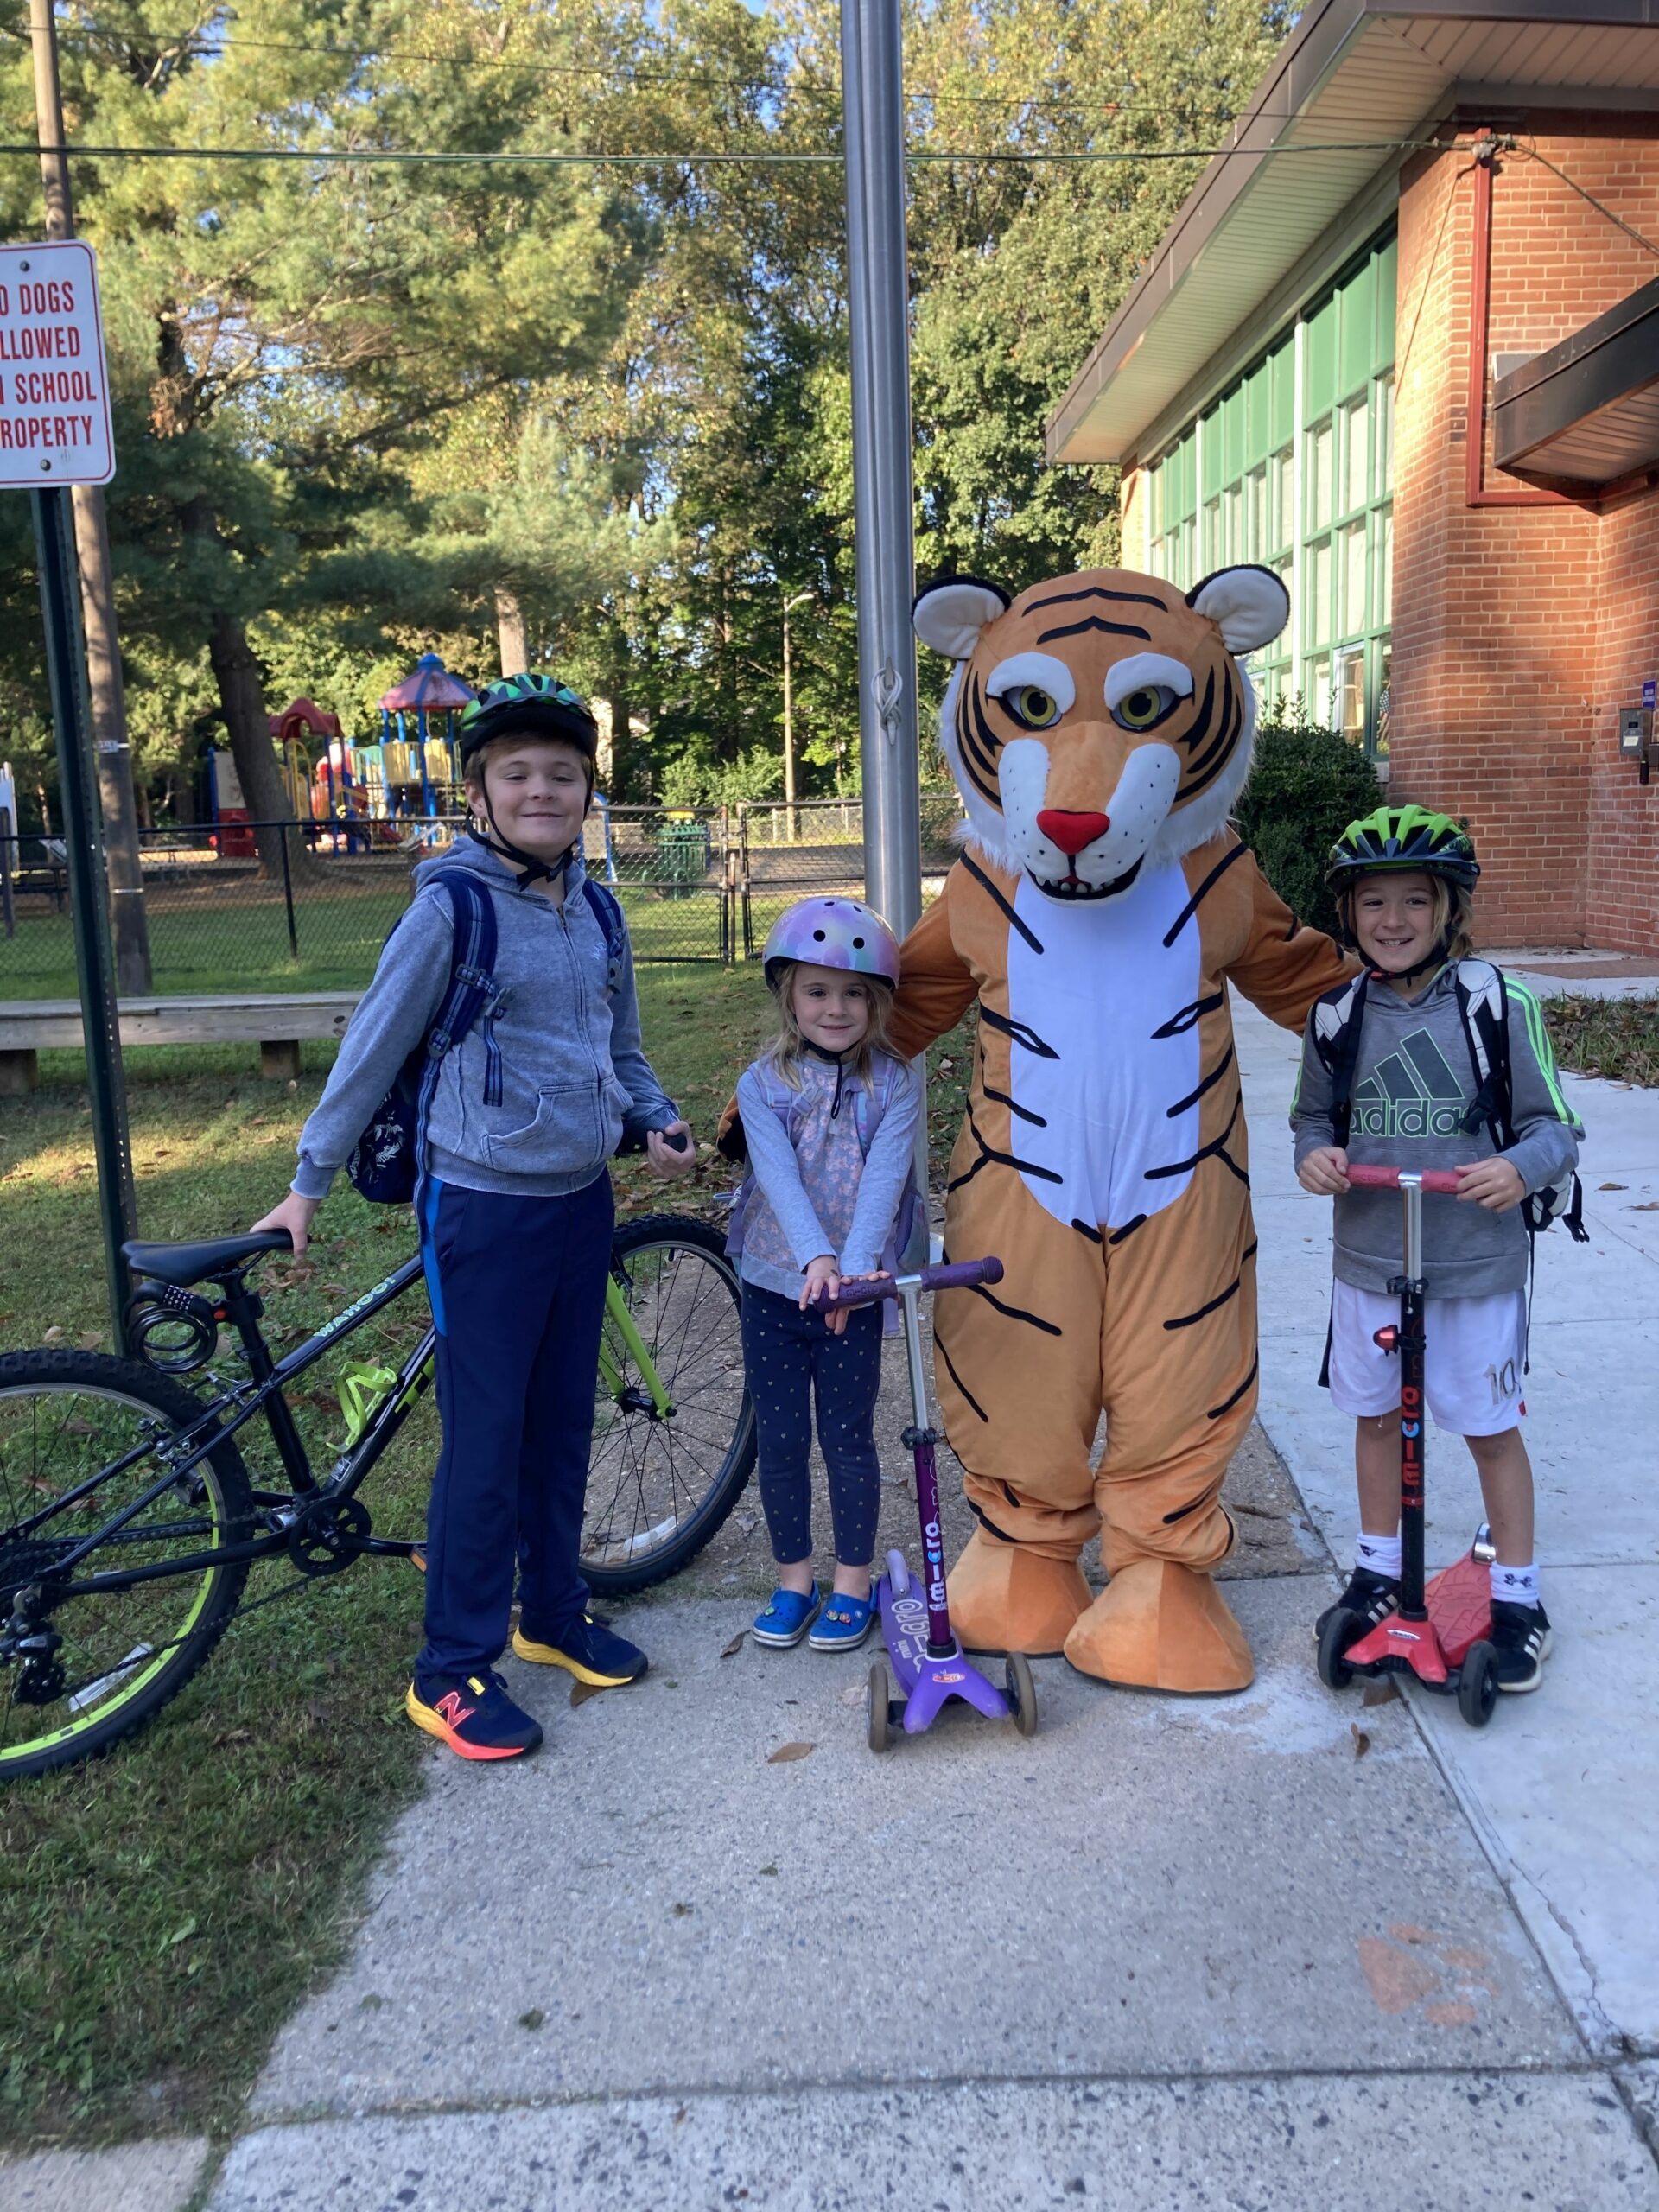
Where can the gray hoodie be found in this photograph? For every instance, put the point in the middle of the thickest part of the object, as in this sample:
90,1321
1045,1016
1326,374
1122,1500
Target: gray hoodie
1413,1082
565,1019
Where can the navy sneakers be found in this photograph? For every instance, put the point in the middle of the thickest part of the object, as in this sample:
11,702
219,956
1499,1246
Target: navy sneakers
473,1714
591,1650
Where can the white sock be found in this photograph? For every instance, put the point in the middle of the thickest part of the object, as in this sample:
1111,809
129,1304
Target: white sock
1378,1555
1517,1586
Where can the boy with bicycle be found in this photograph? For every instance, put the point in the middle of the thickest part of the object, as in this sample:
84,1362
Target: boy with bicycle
514,1206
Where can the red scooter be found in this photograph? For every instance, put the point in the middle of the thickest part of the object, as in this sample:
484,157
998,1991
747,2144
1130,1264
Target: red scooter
1439,1634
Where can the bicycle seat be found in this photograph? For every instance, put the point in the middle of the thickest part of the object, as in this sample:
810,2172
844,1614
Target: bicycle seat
188,1264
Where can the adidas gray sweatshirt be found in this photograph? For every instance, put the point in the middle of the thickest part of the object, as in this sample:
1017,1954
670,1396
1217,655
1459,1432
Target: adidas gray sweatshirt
1413,1083
566,1024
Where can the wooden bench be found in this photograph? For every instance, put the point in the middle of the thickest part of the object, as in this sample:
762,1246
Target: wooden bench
276,1021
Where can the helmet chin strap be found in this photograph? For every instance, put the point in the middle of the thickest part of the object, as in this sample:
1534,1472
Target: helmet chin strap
529,868
1438,958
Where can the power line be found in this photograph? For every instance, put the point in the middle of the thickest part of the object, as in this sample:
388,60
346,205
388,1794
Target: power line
335,156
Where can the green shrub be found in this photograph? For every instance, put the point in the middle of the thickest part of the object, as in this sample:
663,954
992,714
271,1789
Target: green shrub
1307,786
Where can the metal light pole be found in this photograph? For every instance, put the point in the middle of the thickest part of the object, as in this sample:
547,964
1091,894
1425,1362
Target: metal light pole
878,294
113,752
791,827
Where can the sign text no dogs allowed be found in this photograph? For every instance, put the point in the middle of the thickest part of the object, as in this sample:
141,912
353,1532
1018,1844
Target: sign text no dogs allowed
55,391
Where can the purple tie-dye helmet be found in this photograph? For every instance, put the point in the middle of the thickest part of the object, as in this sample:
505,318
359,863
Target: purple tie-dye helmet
833,932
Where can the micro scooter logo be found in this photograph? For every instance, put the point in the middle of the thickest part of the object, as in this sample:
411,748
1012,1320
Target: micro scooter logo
1412,1093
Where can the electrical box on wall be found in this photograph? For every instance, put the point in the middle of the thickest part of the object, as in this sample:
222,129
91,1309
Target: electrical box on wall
1636,741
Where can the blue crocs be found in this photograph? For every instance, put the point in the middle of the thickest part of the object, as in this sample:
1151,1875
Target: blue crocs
843,1625
787,1617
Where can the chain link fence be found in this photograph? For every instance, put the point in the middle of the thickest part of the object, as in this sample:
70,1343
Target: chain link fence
696,884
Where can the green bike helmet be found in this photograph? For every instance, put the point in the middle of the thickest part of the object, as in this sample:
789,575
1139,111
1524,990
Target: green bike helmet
528,706
1400,837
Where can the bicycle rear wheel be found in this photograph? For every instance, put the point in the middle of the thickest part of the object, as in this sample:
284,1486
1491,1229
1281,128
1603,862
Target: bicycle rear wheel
82,1436
660,1483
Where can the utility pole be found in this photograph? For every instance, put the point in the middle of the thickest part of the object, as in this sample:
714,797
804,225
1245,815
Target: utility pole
109,713
878,294
791,829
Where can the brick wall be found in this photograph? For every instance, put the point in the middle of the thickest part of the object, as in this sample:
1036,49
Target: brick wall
1519,630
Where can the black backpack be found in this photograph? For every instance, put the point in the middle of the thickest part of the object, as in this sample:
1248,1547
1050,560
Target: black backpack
1483,1009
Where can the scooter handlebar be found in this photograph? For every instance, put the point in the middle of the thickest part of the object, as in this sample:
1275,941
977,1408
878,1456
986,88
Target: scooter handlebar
1388,1179
958,1274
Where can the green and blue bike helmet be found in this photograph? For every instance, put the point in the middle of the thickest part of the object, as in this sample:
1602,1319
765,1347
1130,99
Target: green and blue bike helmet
526,706
1394,840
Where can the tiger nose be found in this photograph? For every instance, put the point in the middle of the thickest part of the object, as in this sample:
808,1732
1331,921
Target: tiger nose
1071,832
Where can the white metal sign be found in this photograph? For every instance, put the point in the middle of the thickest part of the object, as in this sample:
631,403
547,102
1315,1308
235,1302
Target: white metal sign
55,389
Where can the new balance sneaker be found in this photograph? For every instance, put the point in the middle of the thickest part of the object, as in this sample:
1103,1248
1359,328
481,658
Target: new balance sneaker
1520,1638
592,1652
473,1714
1369,1598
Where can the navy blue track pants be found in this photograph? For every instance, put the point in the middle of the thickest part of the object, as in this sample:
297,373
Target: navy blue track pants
791,1358
518,1291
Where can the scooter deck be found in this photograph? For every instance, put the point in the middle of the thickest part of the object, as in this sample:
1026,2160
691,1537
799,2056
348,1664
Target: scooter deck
1460,1606
927,1684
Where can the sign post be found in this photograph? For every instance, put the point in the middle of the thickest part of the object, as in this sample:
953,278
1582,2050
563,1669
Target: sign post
55,433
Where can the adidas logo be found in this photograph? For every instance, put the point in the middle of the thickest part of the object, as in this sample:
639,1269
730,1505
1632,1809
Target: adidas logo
1413,1092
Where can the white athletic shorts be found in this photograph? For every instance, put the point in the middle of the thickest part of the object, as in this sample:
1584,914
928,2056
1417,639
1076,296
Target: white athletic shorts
1473,1352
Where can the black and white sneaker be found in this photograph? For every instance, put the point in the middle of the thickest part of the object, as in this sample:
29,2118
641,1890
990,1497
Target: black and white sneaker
1520,1638
1369,1598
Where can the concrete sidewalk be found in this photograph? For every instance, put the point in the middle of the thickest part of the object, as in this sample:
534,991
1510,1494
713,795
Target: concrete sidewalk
1281,1951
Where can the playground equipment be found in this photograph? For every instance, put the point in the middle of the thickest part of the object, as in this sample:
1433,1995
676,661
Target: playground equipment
429,764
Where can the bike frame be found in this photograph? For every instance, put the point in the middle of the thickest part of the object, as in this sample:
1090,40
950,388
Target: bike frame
242,1308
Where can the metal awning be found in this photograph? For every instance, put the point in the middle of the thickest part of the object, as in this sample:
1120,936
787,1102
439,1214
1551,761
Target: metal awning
1353,73
1587,411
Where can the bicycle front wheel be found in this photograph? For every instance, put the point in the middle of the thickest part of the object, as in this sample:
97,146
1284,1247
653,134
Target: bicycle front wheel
674,1436
82,1437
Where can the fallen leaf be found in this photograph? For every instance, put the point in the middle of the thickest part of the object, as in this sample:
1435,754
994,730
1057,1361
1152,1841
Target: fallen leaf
731,1651
680,1910
853,1696
91,1340
53,1334
372,2004
1362,1741
1379,1692
257,1122
533,2019
1257,1512
1612,1186
180,1936
581,1692
768,1870
786,1753
1648,1205
679,2117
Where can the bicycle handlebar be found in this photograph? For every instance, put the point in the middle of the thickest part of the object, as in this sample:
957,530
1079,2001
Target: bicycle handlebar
955,1275
1388,1179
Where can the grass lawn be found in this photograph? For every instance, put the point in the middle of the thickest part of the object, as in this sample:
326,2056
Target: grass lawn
1611,1037
202,944
163,1910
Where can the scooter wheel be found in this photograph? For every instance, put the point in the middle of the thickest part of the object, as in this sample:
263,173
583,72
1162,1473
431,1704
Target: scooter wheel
1477,1684
1340,1630
880,1707
1022,1693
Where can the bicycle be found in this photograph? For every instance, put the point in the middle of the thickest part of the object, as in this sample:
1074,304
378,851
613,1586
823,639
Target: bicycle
129,1520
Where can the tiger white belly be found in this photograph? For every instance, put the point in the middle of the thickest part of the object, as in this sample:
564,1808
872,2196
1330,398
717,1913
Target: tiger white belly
1102,984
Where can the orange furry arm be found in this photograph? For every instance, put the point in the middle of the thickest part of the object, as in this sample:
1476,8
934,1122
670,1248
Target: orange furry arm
1285,965
936,985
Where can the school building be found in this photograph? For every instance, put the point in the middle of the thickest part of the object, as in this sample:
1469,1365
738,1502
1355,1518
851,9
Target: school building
1401,343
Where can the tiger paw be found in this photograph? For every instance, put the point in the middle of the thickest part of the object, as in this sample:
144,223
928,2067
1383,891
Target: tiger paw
1160,1626
1006,1597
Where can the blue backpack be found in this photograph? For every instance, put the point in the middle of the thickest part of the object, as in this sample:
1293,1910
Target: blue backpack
384,1165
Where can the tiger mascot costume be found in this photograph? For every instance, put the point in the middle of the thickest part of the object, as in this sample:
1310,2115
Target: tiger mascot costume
1099,729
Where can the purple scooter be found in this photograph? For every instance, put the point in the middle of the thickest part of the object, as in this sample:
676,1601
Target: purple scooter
915,1621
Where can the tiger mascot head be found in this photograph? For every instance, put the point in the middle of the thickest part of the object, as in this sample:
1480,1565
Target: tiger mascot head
1099,720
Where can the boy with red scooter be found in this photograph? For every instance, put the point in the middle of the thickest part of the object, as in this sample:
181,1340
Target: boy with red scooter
1431,1060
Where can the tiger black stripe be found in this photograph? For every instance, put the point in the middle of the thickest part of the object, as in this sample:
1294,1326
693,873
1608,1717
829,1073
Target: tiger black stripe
1200,729
1185,1320
1181,1512
1135,1222
1211,1151
1002,1098
1009,916
1180,1022
1193,904
1094,622
1020,1032
989,1153
978,741
1220,748
1208,1083
1017,1313
1201,783
1227,1404
951,1369
1097,591
1086,1229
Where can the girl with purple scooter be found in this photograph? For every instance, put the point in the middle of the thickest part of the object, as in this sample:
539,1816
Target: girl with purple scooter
829,1119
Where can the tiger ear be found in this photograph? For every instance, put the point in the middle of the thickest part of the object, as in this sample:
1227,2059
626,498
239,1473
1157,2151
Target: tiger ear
950,614
1249,605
